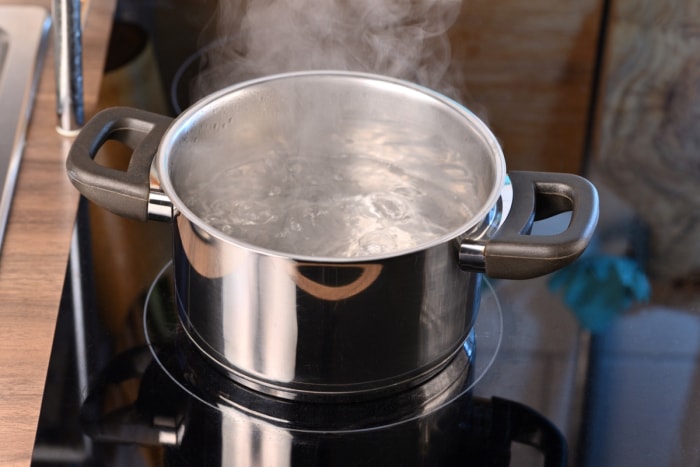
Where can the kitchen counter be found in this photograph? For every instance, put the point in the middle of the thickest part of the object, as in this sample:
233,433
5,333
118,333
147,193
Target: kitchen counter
34,255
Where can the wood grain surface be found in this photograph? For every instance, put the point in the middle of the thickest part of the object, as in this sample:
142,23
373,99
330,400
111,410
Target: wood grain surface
649,126
34,256
527,70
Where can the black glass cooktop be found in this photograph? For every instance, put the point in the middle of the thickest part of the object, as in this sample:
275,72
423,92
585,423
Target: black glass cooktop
625,395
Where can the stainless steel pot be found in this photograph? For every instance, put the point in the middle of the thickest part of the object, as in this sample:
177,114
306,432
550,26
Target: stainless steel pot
368,280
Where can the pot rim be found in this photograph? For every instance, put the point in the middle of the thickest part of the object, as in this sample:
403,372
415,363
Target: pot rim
182,123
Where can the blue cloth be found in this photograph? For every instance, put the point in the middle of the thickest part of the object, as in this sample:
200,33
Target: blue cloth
598,288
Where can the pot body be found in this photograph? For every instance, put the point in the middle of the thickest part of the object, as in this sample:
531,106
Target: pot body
306,329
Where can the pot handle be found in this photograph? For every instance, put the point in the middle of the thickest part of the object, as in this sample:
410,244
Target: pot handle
126,193
512,253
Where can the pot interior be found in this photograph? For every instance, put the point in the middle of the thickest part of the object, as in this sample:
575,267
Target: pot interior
331,165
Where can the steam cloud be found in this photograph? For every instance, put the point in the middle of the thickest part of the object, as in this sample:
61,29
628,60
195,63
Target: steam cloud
400,38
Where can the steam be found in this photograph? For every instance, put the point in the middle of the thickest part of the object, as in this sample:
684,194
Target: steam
400,38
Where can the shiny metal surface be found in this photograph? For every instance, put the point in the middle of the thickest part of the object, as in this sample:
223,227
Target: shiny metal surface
472,250
23,34
471,256
159,207
68,51
301,329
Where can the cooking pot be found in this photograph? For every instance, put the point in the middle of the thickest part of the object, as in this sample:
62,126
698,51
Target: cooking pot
331,228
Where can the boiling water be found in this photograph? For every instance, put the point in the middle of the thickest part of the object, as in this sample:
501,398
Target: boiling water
340,206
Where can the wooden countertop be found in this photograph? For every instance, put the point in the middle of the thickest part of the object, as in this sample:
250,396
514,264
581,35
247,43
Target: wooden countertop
34,257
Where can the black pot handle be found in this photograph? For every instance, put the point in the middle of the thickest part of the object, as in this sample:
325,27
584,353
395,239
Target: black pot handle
512,253
126,193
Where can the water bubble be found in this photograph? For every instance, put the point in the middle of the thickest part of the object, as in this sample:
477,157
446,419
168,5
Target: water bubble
389,207
409,192
376,243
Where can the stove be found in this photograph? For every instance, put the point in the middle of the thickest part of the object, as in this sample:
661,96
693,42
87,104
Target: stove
139,392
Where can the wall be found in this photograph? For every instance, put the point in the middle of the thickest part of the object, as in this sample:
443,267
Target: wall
528,70
648,126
